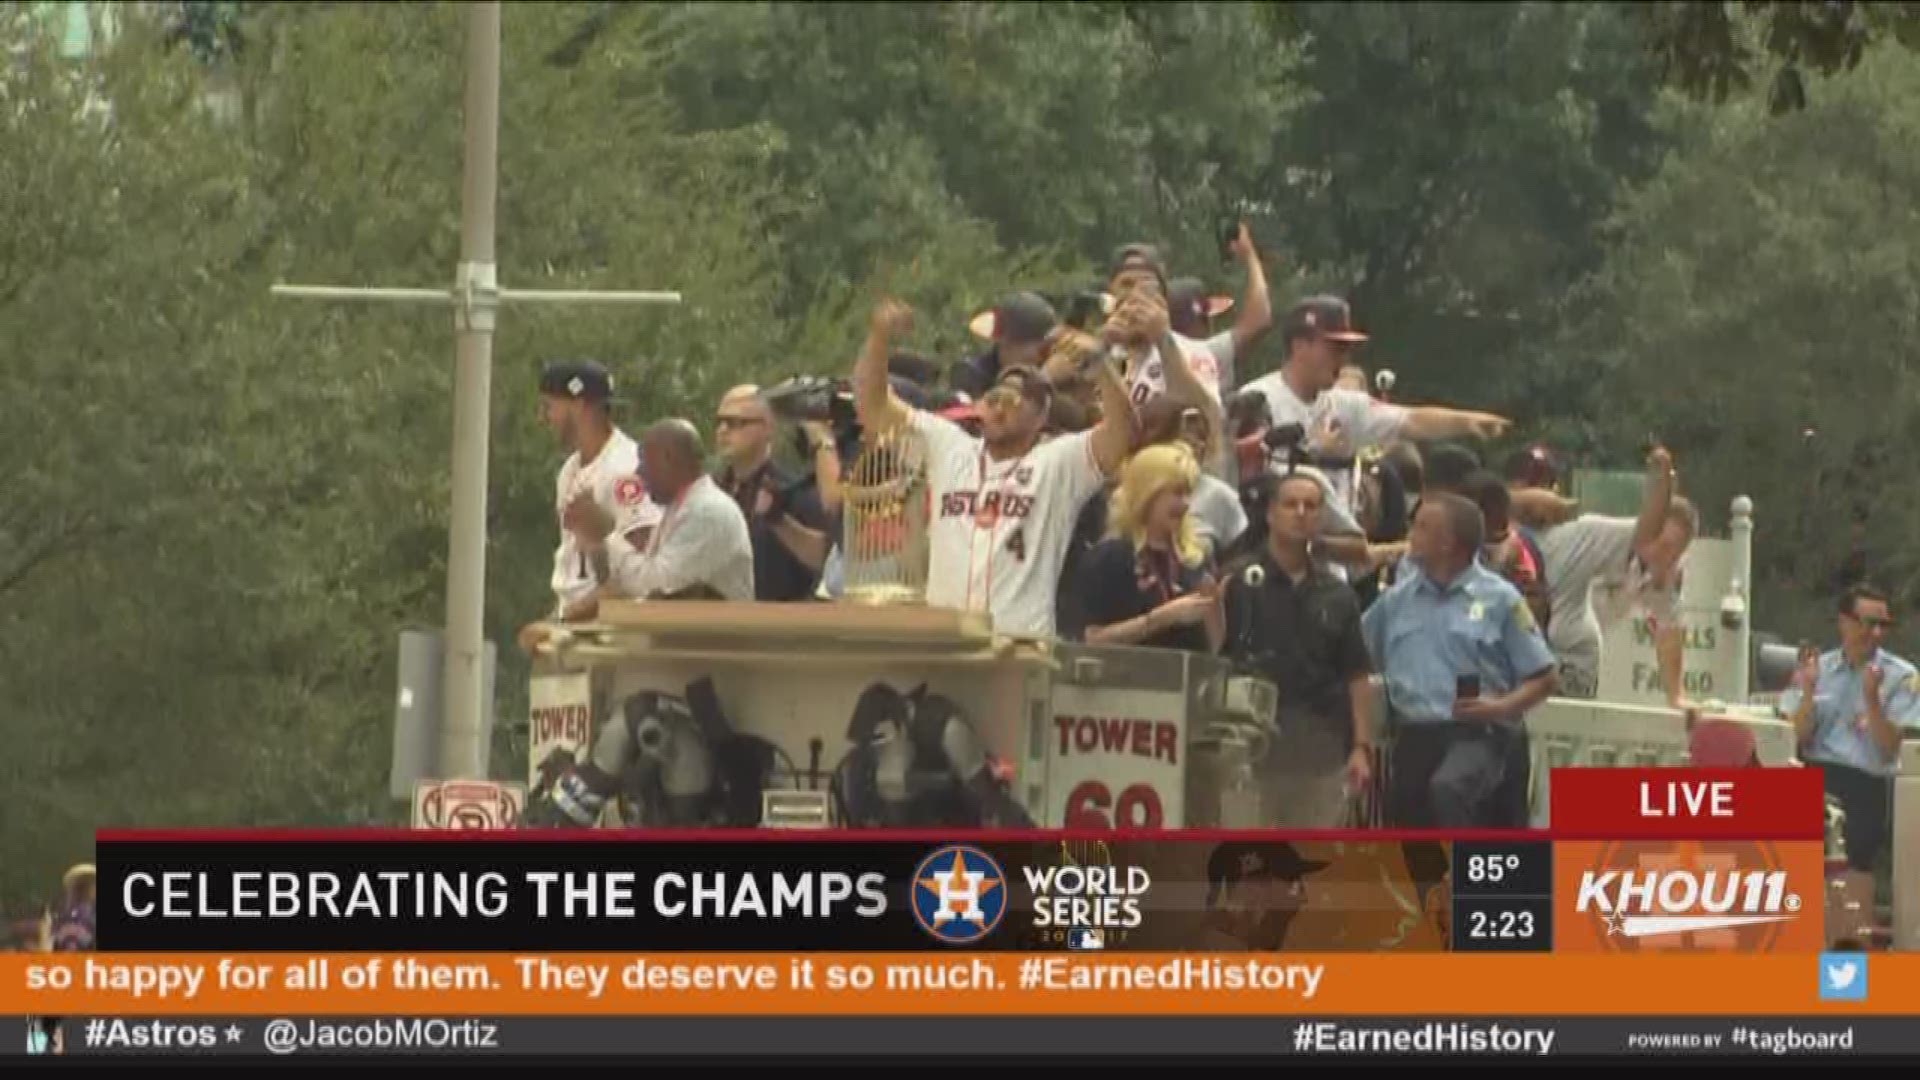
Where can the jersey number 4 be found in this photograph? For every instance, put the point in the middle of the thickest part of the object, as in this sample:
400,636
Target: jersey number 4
1017,544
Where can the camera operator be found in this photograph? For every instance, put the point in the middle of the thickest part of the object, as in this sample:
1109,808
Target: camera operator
1296,623
831,434
1340,541
783,511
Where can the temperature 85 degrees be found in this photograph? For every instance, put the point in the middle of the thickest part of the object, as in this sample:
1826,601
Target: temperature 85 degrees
1491,869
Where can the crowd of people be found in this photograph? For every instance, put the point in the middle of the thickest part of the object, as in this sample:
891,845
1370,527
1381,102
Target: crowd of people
1107,476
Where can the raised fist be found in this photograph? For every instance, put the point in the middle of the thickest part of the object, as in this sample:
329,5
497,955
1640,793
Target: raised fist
1242,243
892,319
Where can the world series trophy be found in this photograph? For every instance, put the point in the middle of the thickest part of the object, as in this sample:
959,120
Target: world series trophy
886,508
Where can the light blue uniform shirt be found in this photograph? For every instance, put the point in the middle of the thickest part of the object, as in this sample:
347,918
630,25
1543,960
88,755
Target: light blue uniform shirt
1840,733
1424,637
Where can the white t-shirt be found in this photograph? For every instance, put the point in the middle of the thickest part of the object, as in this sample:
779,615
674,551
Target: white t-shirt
1593,581
702,539
999,530
1217,512
1224,353
613,476
1148,379
1339,423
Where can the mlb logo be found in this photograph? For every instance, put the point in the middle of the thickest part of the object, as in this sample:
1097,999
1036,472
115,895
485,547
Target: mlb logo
1081,937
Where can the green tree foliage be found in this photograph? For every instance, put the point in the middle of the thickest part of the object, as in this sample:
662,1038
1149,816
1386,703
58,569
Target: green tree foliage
1712,48
939,135
1762,287
1449,173
219,509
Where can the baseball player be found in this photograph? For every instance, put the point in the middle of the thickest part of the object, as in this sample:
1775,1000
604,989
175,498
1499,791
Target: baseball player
1320,337
1004,503
603,468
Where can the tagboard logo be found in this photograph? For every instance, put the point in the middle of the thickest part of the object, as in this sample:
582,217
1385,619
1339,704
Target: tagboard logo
959,895
1689,896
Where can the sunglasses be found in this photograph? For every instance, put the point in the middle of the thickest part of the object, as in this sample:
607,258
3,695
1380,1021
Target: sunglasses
728,423
1872,624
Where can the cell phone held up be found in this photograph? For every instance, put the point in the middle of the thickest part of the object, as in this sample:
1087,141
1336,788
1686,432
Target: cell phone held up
1228,230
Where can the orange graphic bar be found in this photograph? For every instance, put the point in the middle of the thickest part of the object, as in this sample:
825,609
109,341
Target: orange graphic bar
956,983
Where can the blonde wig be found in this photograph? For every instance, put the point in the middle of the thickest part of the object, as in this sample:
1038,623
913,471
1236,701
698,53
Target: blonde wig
1148,473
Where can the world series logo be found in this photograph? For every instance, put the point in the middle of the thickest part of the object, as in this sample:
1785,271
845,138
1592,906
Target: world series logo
1082,900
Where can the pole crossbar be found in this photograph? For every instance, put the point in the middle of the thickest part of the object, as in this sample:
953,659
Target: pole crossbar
446,296
474,297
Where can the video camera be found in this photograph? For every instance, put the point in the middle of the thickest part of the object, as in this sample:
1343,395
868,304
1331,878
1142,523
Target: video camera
817,398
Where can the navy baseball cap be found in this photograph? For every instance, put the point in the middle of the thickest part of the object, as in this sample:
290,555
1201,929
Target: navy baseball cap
586,380
1021,317
1323,316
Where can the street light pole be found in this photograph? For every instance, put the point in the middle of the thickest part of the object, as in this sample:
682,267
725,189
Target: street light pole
476,284
476,299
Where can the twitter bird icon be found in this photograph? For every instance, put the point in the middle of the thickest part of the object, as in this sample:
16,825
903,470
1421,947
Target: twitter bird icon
1843,977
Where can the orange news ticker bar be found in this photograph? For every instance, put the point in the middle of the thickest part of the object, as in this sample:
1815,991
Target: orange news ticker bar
1345,985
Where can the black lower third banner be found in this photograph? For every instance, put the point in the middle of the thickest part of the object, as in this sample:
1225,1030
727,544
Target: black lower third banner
245,893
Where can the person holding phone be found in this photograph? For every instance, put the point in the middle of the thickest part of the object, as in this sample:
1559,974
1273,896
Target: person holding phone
1463,663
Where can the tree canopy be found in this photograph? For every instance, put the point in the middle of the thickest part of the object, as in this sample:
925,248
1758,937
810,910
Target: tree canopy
220,509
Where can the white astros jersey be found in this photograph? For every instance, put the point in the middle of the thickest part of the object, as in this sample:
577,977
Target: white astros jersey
1000,530
1148,378
613,476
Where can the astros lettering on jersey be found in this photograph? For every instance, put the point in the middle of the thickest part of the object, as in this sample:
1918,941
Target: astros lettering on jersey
613,476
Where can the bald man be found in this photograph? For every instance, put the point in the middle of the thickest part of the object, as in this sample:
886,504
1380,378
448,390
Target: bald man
700,549
784,517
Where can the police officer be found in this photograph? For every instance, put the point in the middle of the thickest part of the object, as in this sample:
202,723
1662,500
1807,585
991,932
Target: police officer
1463,663
1848,706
